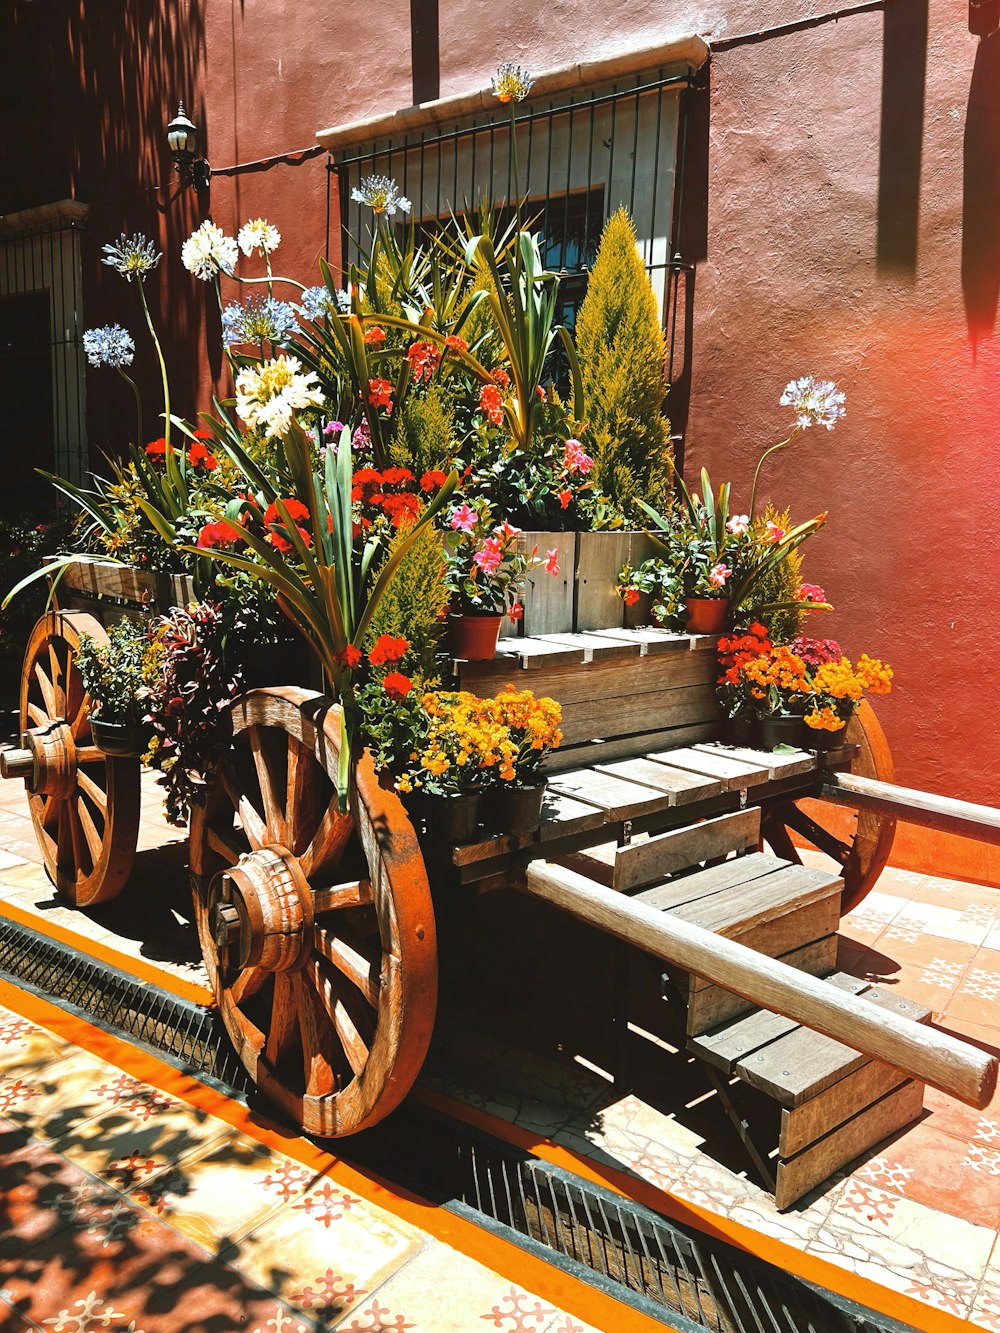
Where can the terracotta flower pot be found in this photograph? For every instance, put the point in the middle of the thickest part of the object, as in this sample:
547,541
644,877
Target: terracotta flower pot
510,809
782,729
706,615
474,635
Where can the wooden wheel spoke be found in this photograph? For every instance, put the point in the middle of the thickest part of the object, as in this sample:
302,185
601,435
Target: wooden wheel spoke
300,792
353,1024
48,692
282,1033
346,954
90,788
90,754
94,841
58,678
37,715
327,842
274,814
247,984
816,834
225,843
253,826
319,1050
81,851
63,842
355,893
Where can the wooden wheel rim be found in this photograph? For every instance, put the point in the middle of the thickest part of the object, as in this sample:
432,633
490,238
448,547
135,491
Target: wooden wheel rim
87,831
864,837
338,1087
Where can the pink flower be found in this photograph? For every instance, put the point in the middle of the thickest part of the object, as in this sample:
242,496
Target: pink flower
718,574
552,561
774,533
576,459
506,531
488,557
463,519
738,524
809,592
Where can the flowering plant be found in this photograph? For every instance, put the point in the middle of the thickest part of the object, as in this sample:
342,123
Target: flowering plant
735,650
837,690
485,563
824,691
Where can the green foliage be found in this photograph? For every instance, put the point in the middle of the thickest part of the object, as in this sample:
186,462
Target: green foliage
23,543
413,601
115,673
777,587
621,350
425,432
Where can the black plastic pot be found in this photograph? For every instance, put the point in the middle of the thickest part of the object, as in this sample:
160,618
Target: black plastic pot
511,809
817,739
452,818
782,729
742,729
124,740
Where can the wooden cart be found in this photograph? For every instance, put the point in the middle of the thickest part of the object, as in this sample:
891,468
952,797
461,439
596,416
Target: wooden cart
318,929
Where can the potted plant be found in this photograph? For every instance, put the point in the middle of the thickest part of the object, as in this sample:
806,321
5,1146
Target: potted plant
116,675
485,568
733,689
837,689
529,727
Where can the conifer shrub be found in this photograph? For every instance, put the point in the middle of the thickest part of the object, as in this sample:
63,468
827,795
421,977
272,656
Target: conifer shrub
414,603
425,432
621,349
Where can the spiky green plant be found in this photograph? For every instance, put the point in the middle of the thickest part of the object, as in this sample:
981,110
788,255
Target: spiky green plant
620,346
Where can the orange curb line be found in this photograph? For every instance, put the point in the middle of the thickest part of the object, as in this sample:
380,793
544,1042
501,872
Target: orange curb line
813,1269
502,1257
137,967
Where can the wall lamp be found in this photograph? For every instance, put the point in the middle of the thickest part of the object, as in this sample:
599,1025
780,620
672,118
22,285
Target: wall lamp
182,136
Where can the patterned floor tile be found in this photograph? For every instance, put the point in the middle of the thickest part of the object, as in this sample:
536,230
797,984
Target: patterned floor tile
57,1099
325,1235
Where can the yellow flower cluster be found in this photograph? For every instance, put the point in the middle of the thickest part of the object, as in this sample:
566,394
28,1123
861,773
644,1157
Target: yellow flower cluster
874,675
473,740
824,719
780,669
838,680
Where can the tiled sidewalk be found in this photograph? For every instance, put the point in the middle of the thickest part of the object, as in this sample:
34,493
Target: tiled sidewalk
125,1208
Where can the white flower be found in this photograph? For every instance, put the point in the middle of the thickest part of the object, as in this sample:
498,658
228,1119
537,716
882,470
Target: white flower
270,394
259,235
738,524
511,82
816,402
381,195
208,251
132,256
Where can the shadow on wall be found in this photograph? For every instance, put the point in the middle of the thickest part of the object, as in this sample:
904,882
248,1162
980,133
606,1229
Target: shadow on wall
981,193
904,77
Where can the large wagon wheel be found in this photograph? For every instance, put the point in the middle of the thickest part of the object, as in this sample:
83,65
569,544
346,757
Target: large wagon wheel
84,804
859,841
317,928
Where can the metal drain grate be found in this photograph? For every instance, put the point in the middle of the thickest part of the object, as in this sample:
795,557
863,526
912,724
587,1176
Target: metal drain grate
675,1274
190,1034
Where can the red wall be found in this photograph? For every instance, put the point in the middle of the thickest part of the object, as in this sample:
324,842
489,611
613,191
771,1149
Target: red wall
851,229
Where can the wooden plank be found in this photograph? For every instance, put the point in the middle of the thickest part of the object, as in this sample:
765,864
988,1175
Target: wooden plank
595,646
534,653
562,815
805,1124
734,773
579,681
618,799
653,641
631,714
725,1046
712,1005
760,902
501,844
683,787
795,929
936,1057
548,599
703,883
801,1173
599,559
589,753
643,863
778,765
981,822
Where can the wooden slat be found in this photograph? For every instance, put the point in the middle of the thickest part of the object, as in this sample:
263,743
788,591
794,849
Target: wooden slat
936,1057
726,1046
777,765
644,862
806,1123
562,815
683,787
501,844
596,679
797,928
760,902
622,747
797,1176
548,599
654,642
618,799
981,822
599,559
594,645
631,714
715,879
732,772
534,653
709,1006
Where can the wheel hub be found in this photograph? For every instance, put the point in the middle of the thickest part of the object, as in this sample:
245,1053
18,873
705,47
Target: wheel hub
53,758
260,912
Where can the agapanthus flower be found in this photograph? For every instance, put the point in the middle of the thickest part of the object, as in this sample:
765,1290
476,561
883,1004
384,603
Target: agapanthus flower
258,235
257,319
317,303
270,394
511,82
816,402
132,256
208,251
381,194
110,345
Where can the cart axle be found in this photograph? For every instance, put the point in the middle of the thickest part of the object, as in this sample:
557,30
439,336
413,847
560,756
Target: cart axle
17,764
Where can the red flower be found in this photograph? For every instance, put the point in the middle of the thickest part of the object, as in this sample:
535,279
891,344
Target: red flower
374,337
349,657
199,454
432,481
379,393
456,344
156,447
564,498
540,392
387,649
220,533
396,685
501,377
491,403
516,612
424,359
273,520
397,476
367,476
631,596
